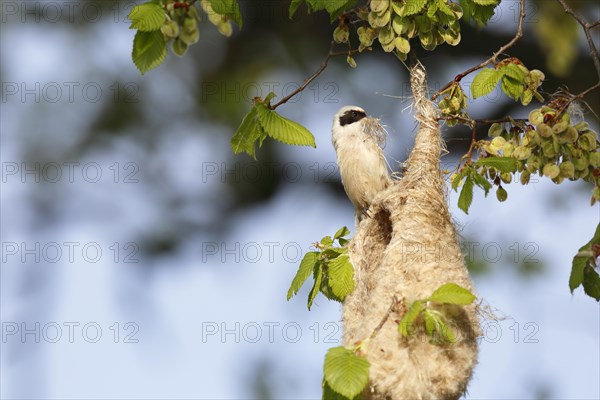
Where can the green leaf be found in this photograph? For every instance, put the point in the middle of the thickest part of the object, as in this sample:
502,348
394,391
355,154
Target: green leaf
434,323
502,164
343,231
477,12
147,17
580,262
335,8
306,268
269,97
330,394
229,8
341,276
460,177
482,182
333,252
343,241
149,50
591,283
576,277
513,71
406,325
294,7
345,372
486,2
318,275
484,82
429,321
326,241
412,7
283,129
466,195
451,293
247,134
513,88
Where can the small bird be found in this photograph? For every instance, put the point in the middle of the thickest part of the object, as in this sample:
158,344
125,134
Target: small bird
360,158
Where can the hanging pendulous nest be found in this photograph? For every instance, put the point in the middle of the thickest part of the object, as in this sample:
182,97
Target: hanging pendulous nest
405,249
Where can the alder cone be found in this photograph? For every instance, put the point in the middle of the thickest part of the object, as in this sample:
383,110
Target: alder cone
406,249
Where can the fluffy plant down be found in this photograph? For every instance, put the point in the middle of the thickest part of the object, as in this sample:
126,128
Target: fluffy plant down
405,249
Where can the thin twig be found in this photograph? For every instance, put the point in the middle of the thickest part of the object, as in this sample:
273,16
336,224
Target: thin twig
474,124
470,121
384,319
494,57
314,76
587,27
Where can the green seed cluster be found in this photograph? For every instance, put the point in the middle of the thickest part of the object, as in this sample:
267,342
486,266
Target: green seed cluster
222,22
454,103
181,24
550,145
394,22
520,83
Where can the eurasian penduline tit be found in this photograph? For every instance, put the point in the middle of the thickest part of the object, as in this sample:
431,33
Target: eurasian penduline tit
362,165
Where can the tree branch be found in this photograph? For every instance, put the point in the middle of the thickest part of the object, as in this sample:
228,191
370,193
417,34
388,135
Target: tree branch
314,76
587,27
494,57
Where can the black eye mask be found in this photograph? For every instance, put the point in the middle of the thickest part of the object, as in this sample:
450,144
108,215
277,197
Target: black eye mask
351,116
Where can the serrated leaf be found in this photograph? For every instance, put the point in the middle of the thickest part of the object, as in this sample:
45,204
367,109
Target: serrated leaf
580,262
229,8
294,7
330,394
247,134
513,71
512,87
333,252
269,97
318,276
486,2
149,50
482,183
484,82
345,372
478,13
502,164
336,7
466,195
326,241
434,323
283,129
315,5
576,277
444,8
406,325
412,7
459,178
451,293
341,276
429,323
591,283
343,231
147,17
306,268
